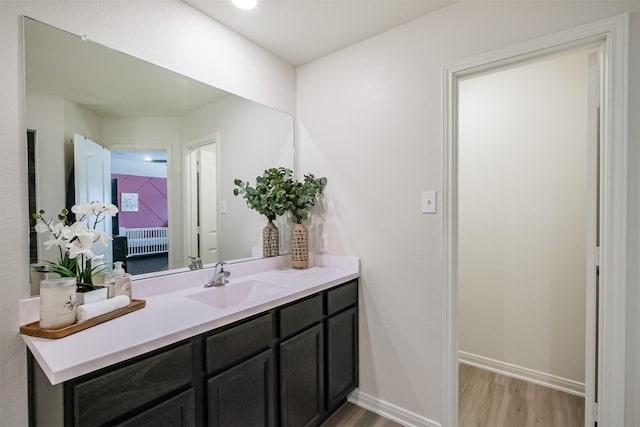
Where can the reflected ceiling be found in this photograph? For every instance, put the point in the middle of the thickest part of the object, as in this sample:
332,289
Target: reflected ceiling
140,89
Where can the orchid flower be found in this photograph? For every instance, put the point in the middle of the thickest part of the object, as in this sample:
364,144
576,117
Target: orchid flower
81,245
76,241
102,237
83,209
42,227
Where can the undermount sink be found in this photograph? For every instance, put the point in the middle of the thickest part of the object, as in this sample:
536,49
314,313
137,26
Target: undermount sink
237,293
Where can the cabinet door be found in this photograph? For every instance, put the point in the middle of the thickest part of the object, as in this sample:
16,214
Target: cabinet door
342,356
302,378
244,394
178,411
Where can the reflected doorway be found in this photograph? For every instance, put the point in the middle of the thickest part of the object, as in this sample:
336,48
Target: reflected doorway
202,196
140,187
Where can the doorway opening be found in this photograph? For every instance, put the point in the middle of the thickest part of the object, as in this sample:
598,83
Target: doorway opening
201,236
32,183
527,208
139,184
606,344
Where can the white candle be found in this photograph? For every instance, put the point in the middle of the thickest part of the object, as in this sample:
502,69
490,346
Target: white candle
57,302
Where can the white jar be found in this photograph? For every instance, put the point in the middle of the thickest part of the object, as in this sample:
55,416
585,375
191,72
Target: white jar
57,302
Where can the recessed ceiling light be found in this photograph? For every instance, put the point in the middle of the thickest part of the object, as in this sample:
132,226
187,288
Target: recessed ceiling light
245,4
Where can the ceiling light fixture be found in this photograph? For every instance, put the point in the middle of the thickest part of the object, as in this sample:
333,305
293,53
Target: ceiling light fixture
245,4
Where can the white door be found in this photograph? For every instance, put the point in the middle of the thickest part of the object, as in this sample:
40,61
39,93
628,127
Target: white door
208,205
92,174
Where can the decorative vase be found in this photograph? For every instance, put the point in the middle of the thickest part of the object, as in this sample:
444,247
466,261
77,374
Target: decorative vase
270,240
299,247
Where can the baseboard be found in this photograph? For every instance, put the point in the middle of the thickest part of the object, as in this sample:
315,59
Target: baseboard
526,374
390,411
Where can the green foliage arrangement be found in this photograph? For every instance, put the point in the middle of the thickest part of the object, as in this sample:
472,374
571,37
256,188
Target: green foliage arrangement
269,196
303,196
277,192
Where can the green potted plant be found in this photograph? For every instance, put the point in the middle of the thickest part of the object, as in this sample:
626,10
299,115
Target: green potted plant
268,198
302,196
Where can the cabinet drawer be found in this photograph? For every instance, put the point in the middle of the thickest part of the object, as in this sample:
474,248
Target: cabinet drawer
300,315
115,393
342,297
234,345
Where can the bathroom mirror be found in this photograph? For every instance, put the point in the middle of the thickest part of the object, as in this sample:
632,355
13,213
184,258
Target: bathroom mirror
200,136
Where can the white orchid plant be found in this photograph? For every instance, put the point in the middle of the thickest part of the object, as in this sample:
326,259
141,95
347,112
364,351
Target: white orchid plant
75,241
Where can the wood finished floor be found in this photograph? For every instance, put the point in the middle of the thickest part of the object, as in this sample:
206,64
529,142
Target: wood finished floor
487,399
350,415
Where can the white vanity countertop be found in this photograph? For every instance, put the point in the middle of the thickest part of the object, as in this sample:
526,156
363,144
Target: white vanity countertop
170,315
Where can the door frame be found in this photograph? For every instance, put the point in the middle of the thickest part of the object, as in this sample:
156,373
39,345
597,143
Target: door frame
613,34
188,183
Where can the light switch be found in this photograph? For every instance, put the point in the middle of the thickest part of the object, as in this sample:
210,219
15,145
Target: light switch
223,207
429,202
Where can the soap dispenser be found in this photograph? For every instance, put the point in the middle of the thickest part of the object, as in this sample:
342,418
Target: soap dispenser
117,269
121,281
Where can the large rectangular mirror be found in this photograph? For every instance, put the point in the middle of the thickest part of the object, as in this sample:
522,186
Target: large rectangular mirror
173,145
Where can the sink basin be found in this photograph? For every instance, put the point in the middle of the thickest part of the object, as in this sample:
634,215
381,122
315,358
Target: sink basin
237,293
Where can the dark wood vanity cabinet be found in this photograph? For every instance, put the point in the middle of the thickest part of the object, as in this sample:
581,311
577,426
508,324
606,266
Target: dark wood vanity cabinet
291,366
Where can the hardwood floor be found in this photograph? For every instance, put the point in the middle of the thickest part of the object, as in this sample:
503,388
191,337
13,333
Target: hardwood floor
350,415
494,400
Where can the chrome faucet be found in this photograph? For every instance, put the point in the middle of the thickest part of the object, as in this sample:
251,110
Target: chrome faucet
196,263
219,276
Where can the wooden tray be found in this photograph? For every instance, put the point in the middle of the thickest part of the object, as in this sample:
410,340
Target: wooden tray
35,330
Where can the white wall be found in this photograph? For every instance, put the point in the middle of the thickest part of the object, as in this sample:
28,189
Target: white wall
522,164
241,126
168,33
78,120
139,168
370,119
55,121
46,117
